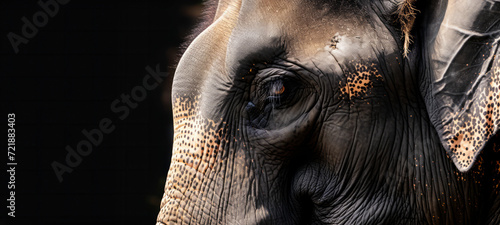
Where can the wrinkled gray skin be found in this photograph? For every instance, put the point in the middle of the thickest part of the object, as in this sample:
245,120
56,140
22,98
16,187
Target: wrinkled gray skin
308,112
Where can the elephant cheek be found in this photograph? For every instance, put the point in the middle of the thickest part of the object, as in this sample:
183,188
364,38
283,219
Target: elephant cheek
195,153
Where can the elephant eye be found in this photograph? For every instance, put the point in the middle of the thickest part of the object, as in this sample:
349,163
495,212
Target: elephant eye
273,92
278,88
276,92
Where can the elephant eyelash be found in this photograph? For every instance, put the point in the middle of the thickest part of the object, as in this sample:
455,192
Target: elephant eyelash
276,89
277,92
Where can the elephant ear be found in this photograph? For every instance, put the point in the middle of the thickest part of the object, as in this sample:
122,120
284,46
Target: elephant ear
461,74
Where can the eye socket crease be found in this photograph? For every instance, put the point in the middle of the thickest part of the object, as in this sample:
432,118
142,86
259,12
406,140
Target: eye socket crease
271,96
276,93
274,86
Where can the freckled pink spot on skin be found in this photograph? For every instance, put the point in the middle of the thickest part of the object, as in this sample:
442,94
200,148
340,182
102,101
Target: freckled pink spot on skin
470,130
194,154
359,82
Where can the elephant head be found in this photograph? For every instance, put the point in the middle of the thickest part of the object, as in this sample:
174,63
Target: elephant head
338,112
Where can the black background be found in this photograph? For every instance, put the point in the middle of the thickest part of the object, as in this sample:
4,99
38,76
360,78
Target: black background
63,81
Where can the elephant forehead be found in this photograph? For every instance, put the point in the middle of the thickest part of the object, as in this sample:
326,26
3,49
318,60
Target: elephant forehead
302,30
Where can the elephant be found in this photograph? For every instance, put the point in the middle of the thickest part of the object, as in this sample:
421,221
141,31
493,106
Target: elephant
337,112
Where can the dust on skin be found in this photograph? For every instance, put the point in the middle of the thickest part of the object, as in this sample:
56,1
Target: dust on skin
496,181
496,165
478,124
358,83
196,145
